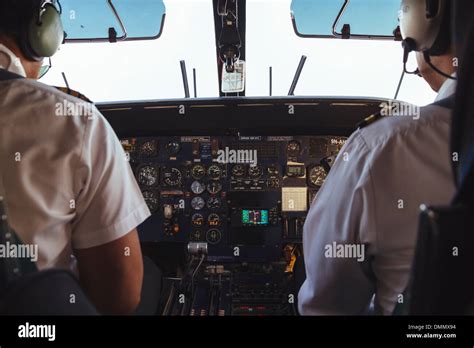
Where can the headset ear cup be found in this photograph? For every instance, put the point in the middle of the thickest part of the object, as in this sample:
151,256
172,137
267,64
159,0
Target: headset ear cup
45,37
420,26
24,39
443,41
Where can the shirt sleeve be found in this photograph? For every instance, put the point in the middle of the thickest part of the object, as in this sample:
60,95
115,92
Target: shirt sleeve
336,253
109,203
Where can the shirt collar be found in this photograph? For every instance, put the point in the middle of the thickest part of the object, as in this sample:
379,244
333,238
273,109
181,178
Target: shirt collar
447,89
9,61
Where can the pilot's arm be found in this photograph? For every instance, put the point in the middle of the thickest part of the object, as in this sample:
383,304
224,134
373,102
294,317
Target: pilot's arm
368,209
108,209
337,284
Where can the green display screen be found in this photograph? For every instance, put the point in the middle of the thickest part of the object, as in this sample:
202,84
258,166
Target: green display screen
254,217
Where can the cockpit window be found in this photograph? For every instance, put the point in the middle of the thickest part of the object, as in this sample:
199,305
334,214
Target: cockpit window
149,70
329,18
89,19
110,20
315,17
145,70
370,18
334,67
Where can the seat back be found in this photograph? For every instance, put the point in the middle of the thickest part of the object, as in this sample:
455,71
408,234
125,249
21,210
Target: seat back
441,281
26,291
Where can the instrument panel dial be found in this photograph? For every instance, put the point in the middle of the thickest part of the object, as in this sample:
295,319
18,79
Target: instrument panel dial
214,172
149,148
197,220
196,236
213,220
198,171
214,203
151,200
197,187
213,236
172,177
173,148
148,175
197,203
255,172
294,148
317,176
214,187
238,171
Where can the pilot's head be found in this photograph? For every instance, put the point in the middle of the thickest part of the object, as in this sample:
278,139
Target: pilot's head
31,29
426,28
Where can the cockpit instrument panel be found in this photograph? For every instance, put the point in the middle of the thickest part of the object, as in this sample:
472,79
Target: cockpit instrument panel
246,192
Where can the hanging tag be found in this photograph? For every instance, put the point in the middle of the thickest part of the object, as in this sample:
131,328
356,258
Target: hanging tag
234,82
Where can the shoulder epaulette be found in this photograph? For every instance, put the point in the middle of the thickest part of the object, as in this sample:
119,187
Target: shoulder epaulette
74,94
369,120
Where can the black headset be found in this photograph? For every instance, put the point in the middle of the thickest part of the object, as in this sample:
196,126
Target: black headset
425,27
42,32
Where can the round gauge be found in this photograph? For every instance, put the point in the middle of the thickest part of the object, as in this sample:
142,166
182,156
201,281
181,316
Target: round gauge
151,200
198,171
273,183
196,236
197,203
214,203
238,170
197,187
255,172
214,187
273,171
147,175
197,220
317,176
294,148
214,172
213,236
173,148
214,220
172,177
149,148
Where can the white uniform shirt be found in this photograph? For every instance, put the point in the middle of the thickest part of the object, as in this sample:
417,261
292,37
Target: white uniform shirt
65,176
372,197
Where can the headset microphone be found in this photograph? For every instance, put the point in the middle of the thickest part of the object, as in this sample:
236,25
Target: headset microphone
409,45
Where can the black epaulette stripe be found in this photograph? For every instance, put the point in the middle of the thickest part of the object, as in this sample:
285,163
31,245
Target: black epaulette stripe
74,94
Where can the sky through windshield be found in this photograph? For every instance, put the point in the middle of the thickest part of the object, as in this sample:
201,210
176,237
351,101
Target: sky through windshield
150,69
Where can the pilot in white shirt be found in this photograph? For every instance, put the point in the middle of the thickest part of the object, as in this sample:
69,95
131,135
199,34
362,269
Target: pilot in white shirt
360,233
66,179
67,185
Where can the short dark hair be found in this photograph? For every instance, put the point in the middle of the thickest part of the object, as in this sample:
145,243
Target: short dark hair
14,14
